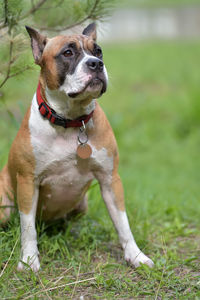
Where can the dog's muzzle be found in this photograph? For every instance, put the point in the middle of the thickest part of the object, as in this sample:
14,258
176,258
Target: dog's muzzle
95,67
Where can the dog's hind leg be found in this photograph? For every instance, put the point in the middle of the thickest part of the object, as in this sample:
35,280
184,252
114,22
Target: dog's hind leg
5,195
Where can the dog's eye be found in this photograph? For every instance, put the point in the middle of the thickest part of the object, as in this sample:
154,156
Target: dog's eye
98,52
68,53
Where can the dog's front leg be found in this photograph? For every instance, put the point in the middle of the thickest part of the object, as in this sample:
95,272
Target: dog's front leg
113,196
27,198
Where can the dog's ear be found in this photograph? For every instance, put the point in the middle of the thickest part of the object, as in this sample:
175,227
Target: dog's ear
38,42
90,31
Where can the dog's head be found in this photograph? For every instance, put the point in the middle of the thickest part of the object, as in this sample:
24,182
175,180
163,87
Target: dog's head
71,64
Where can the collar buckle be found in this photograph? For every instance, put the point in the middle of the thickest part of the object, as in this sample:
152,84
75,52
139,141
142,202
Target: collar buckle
43,109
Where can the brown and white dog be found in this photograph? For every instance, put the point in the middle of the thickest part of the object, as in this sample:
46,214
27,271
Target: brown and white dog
45,172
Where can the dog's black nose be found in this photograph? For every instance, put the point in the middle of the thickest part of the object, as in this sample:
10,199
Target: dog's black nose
95,64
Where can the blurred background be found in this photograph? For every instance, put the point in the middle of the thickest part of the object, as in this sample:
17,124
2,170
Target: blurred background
152,54
151,50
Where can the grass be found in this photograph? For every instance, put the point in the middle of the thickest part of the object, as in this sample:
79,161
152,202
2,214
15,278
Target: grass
154,108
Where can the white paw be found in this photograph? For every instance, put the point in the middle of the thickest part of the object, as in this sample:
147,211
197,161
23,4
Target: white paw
136,258
32,261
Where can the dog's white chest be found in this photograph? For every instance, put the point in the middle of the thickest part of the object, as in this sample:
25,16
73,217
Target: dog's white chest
55,153
61,174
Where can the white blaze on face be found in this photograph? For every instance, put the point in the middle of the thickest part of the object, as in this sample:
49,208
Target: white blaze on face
76,82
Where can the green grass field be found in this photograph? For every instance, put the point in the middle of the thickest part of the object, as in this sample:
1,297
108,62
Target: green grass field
153,105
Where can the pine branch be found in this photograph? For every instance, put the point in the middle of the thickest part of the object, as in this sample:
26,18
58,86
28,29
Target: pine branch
50,7
34,9
20,71
6,12
5,21
89,16
9,64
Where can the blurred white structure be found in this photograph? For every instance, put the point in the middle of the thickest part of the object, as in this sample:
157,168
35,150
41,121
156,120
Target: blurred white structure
164,23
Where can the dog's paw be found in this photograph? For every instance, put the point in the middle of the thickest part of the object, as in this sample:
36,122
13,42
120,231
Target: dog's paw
137,258
29,262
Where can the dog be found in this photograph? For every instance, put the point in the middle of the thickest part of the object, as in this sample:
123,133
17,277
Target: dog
64,142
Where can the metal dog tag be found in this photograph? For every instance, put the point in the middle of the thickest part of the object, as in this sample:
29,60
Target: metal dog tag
84,150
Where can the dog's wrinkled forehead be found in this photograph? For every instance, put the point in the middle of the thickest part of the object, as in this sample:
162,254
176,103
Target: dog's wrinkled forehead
56,44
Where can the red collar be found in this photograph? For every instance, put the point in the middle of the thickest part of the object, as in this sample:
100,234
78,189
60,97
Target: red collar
54,118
